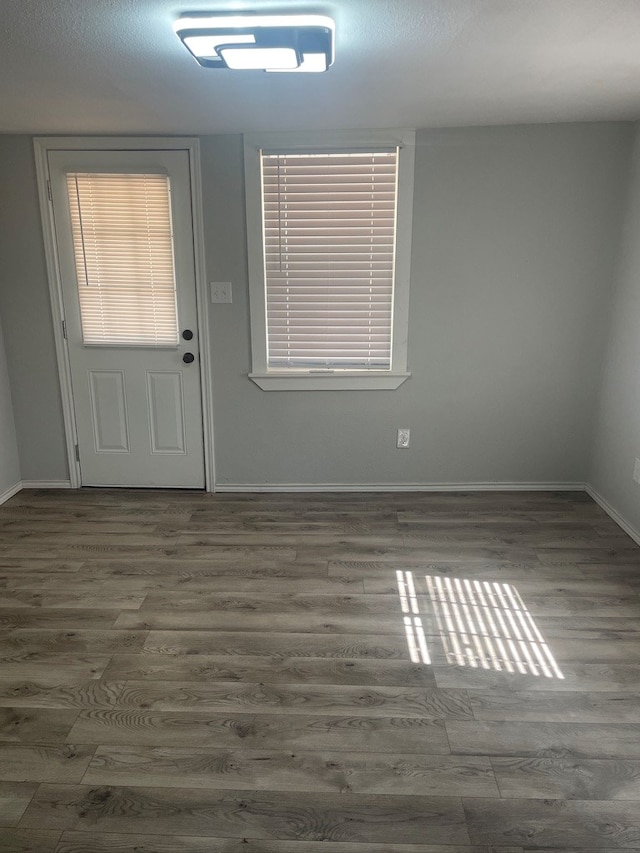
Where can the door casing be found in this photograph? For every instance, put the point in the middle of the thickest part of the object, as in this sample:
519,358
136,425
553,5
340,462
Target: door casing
42,145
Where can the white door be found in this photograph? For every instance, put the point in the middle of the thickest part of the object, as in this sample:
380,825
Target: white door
126,254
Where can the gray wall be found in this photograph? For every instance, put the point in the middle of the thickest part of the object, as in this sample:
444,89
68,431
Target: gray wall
515,234
9,462
617,431
26,317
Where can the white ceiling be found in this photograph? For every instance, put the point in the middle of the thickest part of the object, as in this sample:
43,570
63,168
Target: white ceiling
115,66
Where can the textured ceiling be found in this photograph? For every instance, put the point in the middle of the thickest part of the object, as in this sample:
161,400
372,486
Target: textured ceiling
115,66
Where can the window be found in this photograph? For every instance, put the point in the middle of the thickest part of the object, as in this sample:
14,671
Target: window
329,229
123,247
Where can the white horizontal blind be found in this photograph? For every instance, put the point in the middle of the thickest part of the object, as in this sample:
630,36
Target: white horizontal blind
329,250
123,245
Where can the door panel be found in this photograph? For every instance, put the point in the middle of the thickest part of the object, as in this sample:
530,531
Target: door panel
127,269
109,411
166,412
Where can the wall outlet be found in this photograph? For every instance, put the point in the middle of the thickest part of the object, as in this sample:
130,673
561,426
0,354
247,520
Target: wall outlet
220,291
636,471
402,442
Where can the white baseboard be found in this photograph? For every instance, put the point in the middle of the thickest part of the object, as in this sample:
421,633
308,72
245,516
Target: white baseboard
613,513
399,487
378,487
33,484
10,492
46,484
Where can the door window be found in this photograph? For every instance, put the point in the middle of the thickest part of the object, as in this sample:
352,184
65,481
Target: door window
123,248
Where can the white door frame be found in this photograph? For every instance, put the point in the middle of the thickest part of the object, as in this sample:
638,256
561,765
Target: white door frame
191,145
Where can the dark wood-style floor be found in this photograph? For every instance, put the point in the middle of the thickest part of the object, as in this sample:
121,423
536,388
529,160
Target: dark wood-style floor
353,673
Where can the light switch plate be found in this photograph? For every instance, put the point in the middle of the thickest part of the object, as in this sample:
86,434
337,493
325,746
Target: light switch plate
220,291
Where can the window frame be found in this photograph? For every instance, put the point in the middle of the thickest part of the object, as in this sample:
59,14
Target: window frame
301,379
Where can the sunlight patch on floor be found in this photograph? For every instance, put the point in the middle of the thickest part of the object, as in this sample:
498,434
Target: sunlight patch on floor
482,624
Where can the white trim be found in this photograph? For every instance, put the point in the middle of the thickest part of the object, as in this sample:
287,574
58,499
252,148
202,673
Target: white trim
114,143
343,380
400,487
46,484
10,492
274,380
202,299
44,144
33,484
613,513
41,147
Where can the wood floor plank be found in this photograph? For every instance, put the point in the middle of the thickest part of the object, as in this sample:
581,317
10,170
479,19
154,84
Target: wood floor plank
39,617
594,651
379,580
14,799
547,706
547,603
572,849
562,556
535,537
87,842
293,699
585,740
453,552
598,677
347,604
321,540
253,731
65,668
570,587
603,605
229,582
568,778
85,547
183,569
82,641
35,725
577,626
32,694
101,601
559,823
44,762
259,770
23,565
238,814
212,668
283,644
312,623
28,841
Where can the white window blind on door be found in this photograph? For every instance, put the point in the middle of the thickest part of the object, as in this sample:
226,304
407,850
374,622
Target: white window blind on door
329,224
123,246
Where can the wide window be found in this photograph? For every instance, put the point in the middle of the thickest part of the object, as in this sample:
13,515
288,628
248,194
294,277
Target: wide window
329,238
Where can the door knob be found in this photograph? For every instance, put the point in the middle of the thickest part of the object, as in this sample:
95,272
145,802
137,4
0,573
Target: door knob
188,357
187,334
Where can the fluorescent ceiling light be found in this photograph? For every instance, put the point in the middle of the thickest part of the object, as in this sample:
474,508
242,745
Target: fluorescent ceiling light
260,58
272,40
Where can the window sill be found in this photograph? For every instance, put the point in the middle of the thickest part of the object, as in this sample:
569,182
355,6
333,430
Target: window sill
342,381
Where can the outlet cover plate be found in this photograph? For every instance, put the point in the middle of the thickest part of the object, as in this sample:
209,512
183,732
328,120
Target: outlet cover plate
403,439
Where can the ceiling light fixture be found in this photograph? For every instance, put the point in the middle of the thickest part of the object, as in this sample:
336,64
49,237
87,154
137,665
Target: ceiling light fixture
301,43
